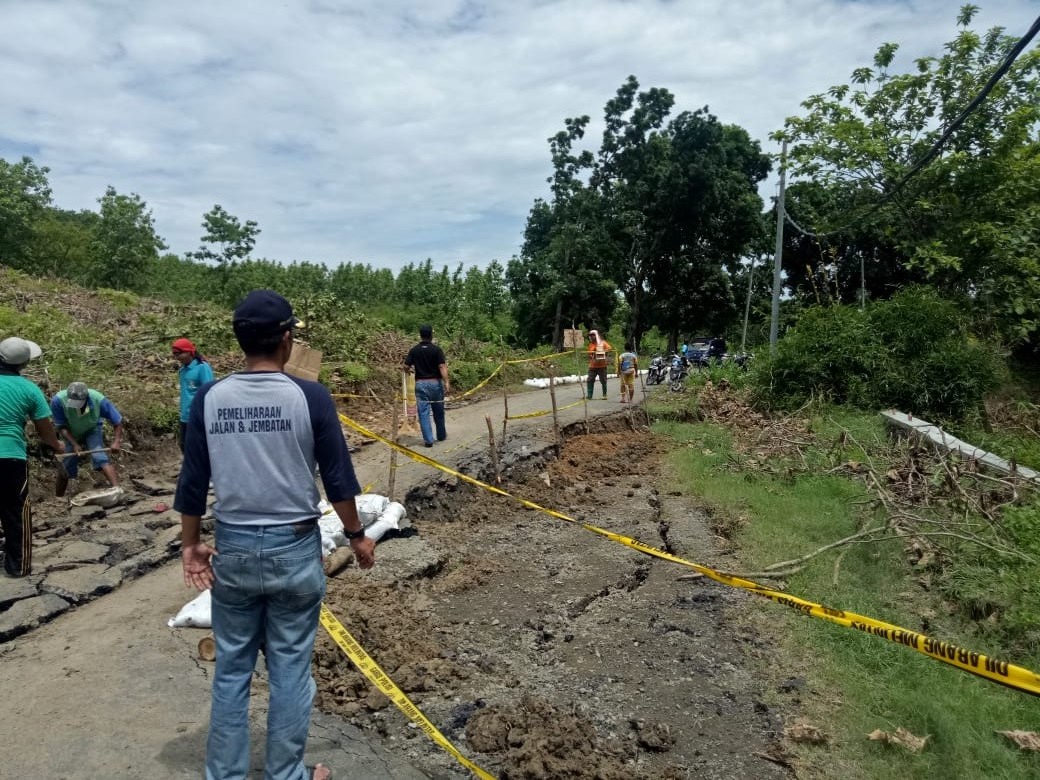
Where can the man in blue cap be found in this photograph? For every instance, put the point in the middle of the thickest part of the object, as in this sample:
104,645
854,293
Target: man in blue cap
258,435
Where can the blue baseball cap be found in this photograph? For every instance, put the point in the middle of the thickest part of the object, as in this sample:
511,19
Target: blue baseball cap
264,313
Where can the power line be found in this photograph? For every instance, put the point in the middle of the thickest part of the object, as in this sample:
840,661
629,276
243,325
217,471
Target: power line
998,74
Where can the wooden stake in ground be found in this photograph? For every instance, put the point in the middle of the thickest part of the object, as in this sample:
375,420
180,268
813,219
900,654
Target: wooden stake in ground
505,416
494,450
393,453
404,394
585,403
556,416
642,391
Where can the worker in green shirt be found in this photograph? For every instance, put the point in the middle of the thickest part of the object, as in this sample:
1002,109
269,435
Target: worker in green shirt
79,415
20,400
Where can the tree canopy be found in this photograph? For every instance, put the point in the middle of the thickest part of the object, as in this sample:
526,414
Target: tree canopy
658,216
968,222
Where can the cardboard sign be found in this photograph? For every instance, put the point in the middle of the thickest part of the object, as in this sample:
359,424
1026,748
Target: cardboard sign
304,362
573,339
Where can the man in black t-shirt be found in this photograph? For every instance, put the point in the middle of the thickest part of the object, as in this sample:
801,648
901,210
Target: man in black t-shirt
431,384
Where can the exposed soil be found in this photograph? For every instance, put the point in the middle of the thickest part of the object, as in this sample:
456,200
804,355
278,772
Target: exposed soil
545,651
540,649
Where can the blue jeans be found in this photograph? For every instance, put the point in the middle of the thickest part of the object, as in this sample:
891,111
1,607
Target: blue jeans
94,440
268,587
429,398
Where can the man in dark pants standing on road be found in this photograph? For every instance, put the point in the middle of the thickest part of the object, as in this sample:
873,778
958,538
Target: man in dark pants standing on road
431,384
20,400
258,434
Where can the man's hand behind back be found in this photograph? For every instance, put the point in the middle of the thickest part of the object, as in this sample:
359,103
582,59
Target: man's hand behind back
365,549
196,560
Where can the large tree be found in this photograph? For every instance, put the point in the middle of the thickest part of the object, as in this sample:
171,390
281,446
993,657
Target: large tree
709,216
125,242
562,277
658,211
64,244
969,220
226,242
24,198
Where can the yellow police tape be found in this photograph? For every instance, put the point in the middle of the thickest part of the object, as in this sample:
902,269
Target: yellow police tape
542,412
505,363
993,669
540,357
368,667
481,384
474,389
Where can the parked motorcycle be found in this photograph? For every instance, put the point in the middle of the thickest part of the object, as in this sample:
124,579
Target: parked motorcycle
655,374
679,370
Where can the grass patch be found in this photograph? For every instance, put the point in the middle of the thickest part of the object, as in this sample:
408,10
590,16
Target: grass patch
856,683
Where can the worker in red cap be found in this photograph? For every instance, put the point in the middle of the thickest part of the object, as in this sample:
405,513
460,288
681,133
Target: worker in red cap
194,373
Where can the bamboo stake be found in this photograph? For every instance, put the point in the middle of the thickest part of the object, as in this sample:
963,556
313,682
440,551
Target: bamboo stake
556,416
494,449
404,398
585,404
505,416
642,390
393,452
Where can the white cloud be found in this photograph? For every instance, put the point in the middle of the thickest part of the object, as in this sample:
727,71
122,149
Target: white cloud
388,133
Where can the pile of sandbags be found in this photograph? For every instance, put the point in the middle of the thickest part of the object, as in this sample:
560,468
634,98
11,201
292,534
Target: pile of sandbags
378,514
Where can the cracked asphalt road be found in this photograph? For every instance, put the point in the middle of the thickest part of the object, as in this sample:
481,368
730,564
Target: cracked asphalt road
106,690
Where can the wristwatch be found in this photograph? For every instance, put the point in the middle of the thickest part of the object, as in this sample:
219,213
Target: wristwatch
352,535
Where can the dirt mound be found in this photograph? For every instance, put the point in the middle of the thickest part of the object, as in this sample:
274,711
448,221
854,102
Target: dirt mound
621,453
385,623
540,742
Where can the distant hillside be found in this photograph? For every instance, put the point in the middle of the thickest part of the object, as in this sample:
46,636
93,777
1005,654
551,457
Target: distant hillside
119,343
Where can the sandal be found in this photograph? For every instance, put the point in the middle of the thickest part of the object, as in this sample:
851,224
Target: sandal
319,772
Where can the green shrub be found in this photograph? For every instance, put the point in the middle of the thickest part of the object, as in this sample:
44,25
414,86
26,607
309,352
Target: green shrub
465,375
1002,592
120,300
347,371
913,352
832,352
163,418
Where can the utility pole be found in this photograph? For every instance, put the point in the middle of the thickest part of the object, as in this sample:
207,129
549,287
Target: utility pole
747,306
774,321
863,280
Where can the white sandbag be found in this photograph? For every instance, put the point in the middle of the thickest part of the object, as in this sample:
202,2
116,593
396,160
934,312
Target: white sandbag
104,497
195,614
370,507
331,533
378,514
573,379
390,520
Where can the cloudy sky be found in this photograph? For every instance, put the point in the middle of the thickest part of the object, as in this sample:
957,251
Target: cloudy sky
389,132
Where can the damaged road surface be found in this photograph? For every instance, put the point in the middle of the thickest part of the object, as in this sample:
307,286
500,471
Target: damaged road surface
542,650
539,649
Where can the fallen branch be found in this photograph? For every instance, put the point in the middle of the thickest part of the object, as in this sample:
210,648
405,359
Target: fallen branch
746,575
825,548
1008,552
837,565
774,759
